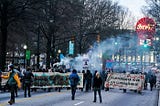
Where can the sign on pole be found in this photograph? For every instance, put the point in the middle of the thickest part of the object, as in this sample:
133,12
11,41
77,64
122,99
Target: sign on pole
71,47
28,54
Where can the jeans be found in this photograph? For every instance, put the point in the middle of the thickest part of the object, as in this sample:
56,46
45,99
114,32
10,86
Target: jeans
12,91
99,93
73,91
27,87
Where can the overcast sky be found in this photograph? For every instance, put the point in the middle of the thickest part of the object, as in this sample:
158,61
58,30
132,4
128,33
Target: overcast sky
134,6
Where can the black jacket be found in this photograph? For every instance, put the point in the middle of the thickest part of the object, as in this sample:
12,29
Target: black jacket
28,77
97,82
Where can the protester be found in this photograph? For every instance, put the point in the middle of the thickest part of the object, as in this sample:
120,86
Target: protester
151,81
146,80
19,76
103,76
97,83
154,80
27,80
88,80
74,79
13,81
84,79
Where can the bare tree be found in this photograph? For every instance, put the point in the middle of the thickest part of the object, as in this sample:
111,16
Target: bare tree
11,11
152,9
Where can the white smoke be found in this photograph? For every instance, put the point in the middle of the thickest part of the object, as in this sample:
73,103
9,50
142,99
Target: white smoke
94,56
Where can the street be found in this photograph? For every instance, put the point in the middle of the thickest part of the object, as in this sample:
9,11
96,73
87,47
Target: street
113,97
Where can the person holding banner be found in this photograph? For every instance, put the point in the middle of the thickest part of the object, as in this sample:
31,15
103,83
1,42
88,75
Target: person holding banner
74,79
97,83
27,80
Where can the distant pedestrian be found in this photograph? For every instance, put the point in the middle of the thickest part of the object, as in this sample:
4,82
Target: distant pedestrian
97,83
13,81
84,79
88,82
154,80
74,79
146,80
151,81
28,77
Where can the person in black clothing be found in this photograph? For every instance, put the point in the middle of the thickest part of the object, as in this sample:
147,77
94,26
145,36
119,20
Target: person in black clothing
88,80
151,81
97,83
84,78
28,76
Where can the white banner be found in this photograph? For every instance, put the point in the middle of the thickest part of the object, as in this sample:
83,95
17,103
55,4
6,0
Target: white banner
125,81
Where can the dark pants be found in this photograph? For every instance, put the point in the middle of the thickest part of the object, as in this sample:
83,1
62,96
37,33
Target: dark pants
16,91
151,86
88,85
27,87
95,94
73,91
12,91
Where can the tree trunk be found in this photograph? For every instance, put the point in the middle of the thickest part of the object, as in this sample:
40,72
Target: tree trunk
3,40
48,53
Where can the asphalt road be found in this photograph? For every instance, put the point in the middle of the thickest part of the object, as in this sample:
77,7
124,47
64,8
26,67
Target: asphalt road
114,97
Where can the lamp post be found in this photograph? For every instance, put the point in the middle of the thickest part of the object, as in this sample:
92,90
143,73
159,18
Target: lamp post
59,52
25,47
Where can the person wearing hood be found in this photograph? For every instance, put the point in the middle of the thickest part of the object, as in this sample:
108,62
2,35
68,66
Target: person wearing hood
74,79
13,81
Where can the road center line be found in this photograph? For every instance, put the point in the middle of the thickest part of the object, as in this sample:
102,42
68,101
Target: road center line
79,103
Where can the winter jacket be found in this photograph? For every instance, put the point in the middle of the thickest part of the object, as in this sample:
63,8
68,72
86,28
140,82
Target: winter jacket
97,82
28,77
74,79
12,78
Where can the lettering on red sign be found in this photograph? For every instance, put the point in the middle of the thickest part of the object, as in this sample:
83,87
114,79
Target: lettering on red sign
145,27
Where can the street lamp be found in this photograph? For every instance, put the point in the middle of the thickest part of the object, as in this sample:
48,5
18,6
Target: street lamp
59,51
25,48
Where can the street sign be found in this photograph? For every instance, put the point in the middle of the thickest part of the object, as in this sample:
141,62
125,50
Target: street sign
28,54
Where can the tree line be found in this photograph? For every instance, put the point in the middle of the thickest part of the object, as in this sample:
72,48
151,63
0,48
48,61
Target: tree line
48,25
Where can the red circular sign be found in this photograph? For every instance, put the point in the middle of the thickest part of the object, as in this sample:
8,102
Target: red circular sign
145,28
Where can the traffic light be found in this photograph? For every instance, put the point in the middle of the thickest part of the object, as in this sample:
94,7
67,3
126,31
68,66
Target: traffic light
98,38
145,43
115,43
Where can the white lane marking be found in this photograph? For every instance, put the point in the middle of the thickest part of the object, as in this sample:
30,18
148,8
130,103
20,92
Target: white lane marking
79,103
